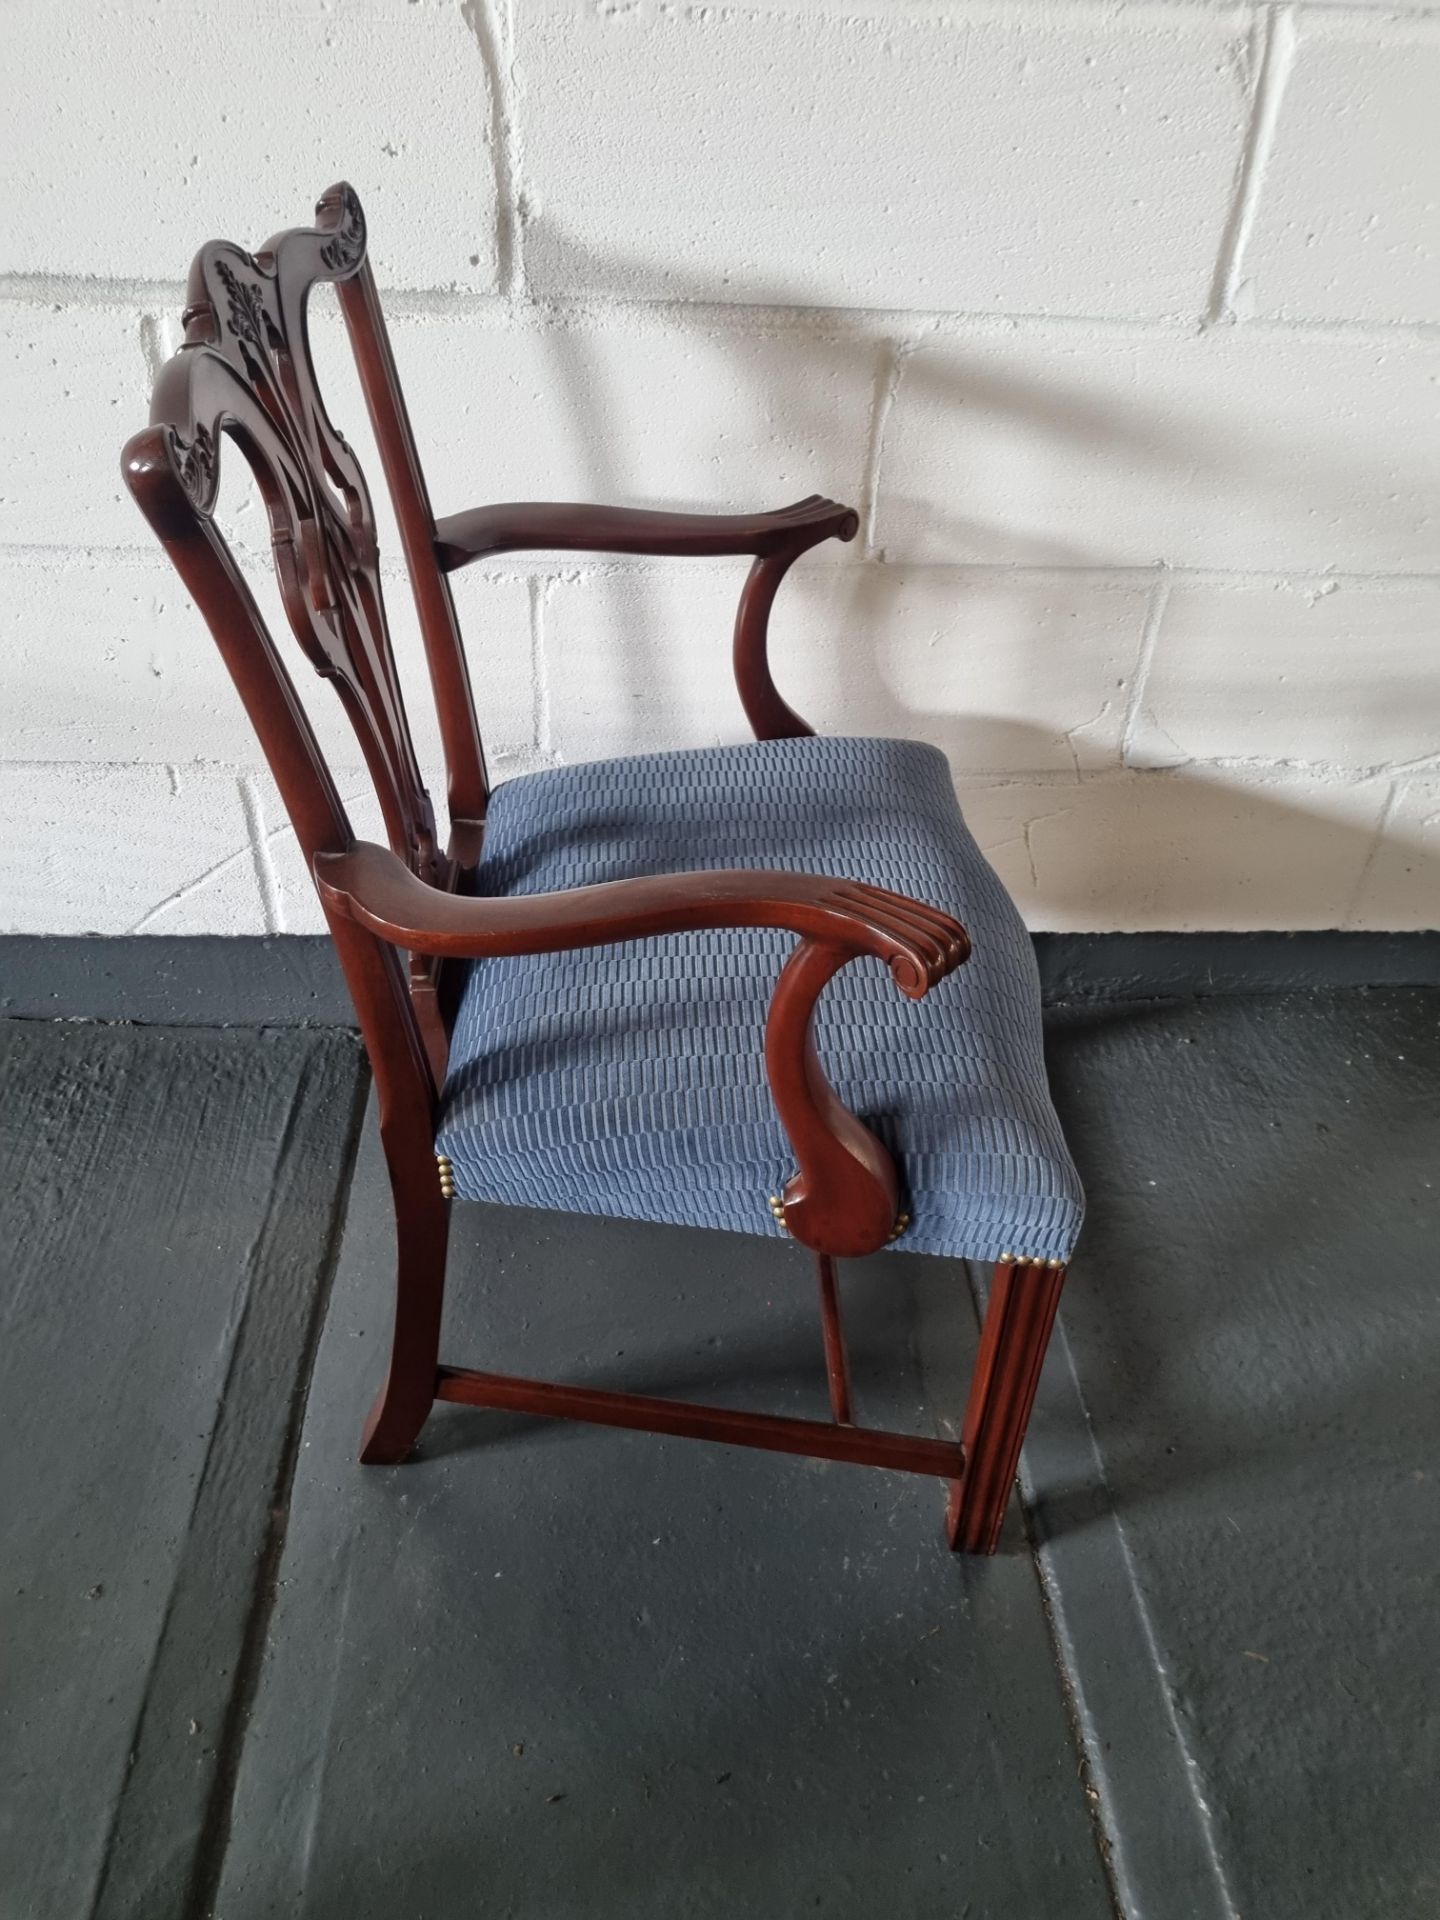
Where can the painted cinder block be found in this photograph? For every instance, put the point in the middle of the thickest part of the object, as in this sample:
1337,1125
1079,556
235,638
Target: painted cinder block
100,660
641,410
974,158
125,849
638,661
1002,672
1345,227
1183,851
1339,672
1400,889
1042,485
1242,448
1009,672
154,125
104,658
73,388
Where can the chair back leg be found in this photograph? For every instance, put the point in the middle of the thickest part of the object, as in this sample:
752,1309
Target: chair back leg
1018,1319
837,1364
422,1230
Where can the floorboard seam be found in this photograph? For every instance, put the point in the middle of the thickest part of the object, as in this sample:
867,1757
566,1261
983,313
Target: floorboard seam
215,1834
1100,1824
246,1303
1085,1564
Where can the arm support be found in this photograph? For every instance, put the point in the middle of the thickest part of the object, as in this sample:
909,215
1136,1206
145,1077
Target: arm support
566,526
775,539
844,1196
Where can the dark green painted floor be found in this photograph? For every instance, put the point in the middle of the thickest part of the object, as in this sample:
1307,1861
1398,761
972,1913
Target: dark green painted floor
550,1672
169,1211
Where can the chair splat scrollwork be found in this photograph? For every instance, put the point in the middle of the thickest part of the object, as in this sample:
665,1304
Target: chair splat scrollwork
246,370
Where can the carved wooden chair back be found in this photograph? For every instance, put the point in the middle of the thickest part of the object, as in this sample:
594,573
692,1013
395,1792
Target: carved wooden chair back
246,370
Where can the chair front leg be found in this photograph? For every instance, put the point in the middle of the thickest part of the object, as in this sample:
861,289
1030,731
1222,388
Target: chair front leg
1018,1319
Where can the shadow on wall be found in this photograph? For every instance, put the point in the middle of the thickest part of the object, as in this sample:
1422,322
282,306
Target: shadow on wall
1175,443
1082,840
1184,849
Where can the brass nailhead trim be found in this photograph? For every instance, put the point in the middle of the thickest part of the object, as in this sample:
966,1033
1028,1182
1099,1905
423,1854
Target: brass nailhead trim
777,1212
902,1222
447,1176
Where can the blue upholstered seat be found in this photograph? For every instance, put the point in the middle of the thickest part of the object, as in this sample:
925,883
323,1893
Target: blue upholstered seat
629,1080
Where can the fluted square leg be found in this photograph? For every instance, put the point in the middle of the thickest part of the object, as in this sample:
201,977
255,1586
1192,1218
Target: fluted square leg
1023,1300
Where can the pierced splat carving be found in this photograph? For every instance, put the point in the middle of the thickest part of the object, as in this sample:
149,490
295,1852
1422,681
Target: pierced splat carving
246,314
245,370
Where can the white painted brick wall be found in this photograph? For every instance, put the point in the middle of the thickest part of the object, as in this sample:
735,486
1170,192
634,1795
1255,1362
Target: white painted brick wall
1195,847
1346,228
1117,322
1235,665
136,130
1398,887
1239,448
834,155
1012,673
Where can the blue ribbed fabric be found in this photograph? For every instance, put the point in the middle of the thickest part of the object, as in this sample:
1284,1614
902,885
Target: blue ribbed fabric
630,1081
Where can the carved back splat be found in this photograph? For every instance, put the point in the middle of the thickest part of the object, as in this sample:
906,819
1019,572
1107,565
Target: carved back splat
245,370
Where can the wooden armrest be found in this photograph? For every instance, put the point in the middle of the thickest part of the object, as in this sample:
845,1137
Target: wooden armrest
571,527
844,1195
776,540
369,885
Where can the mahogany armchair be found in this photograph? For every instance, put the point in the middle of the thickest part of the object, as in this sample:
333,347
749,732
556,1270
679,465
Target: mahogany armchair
619,980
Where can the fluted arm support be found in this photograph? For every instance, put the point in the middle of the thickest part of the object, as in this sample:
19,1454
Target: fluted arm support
843,1197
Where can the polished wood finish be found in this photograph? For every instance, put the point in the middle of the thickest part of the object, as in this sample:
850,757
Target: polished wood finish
837,1363
817,1439
776,539
404,919
843,1199
368,885
1024,1295
562,526
770,716
467,785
